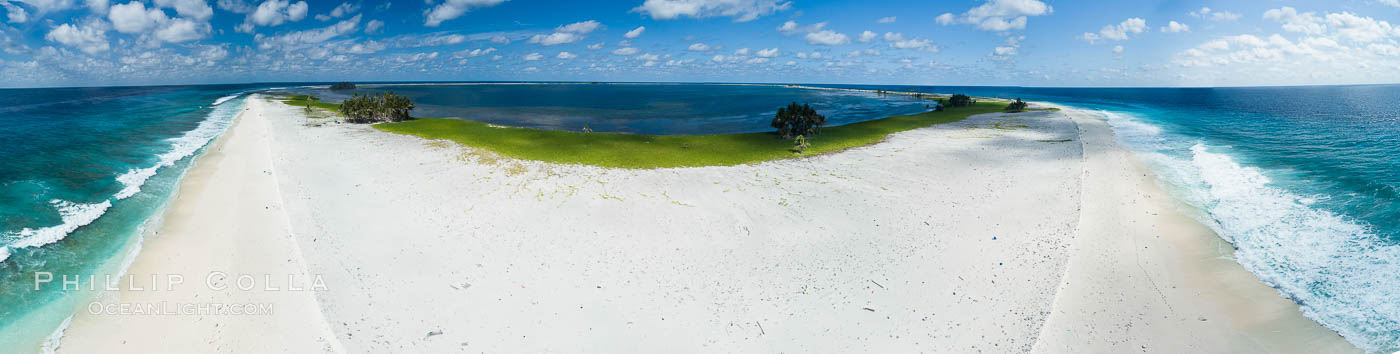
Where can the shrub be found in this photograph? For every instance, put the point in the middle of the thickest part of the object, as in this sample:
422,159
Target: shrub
310,101
343,86
800,144
798,120
383,107
959,100
1016,106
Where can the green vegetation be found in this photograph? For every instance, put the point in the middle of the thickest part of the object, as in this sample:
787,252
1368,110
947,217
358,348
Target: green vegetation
654,151
800,144
959,100
312,101
1017,106
383,107
797,121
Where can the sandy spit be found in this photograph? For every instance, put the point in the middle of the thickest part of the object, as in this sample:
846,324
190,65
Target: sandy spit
1028,232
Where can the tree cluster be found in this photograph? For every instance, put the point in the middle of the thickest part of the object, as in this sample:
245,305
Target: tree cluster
1016,106
383,107
343,86
795,120
959,100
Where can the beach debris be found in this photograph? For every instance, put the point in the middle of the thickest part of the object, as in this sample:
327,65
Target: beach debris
433,333
760,328
868,309
877,284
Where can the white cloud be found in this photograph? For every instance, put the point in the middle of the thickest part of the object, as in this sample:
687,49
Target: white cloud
97,6
273,13
472,53
885,20
827,37
740,10
998,15
373,26
1174,27
566,55
636,32
867,36
742,51
182,30
625,51
945,19
791,27
367,47
1355,28
134,17
1004,51
15,13
1009,48
595,46
533,57
89,38
342,10
1307,23
1117,32
1118,49
648,57
757,60
718,58
564,34
234,6
48,6
915,43
698,47
194,9
304,39
584,27
450,9
1207,13
555,38
767,53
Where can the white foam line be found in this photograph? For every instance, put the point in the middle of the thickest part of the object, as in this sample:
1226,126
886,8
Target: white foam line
221,100
74,215
52,342
1336,268
180,148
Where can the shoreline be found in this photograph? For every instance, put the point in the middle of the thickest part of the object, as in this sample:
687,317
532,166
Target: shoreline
1060,276
218,222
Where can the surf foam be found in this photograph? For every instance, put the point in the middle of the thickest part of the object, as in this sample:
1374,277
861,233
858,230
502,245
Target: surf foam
180,148
74,215
1342,274
221,100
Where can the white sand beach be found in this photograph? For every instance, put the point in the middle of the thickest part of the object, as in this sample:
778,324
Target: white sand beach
1031,232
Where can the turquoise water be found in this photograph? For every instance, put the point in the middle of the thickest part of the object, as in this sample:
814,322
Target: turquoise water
1302,180
86,169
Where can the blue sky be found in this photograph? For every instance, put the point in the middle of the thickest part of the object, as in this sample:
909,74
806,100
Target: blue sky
974,42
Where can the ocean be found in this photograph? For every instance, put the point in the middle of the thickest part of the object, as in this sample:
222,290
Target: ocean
1302,180
85,170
